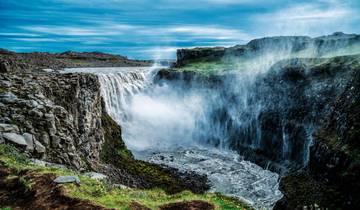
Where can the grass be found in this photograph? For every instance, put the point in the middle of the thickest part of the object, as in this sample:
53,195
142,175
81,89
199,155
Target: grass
102,193
208,67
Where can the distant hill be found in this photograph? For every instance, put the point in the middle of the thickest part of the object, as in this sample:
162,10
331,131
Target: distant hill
25,62
337,43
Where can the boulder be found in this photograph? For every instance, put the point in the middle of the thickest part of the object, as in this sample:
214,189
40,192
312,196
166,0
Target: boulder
8,128
47,164
39,148
96,176
67,179
29,141
121,186
8,97
15,138
36,113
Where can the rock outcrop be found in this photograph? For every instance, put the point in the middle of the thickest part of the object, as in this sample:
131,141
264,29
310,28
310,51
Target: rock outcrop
306,124
281,107
58,114
311,47
61,118
332,178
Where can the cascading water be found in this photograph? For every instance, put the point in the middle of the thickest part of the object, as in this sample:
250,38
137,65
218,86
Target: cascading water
170,124
268,106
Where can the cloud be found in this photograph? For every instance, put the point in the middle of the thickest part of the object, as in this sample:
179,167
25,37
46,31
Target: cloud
18,34
319,17
35,39
68,30
224,2
214,32
165,33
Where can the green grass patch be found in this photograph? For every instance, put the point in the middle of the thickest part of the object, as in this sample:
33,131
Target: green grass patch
104,194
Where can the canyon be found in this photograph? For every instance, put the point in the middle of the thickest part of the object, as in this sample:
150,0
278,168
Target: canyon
274,123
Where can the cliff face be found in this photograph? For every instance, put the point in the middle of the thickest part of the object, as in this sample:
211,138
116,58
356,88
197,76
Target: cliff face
62,112
332,178
61,118
296,45
271,119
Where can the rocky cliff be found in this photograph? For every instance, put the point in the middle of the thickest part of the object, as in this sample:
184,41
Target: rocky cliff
332,178
299,118
337,43
61,118
60,113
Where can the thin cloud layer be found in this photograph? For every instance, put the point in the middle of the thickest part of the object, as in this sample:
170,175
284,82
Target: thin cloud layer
316,18
151,29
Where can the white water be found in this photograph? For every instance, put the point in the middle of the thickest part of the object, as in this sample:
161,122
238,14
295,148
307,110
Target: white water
227,172
159,124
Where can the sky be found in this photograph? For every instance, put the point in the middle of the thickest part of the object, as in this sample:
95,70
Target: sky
154,29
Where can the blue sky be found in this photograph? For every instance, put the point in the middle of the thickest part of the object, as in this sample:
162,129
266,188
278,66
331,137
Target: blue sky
148,29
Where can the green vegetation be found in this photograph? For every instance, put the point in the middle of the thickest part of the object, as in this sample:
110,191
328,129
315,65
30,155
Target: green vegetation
103,193
114,148
207,67
115,152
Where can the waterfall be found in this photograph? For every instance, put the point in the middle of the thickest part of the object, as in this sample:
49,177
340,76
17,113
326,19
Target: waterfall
117,90
172,124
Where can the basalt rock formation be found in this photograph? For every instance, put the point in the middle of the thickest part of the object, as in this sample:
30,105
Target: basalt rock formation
306,121
61,118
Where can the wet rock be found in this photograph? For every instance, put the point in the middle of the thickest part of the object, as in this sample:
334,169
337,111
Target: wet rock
15,138
67,179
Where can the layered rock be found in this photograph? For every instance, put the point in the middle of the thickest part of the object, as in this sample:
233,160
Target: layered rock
58,114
